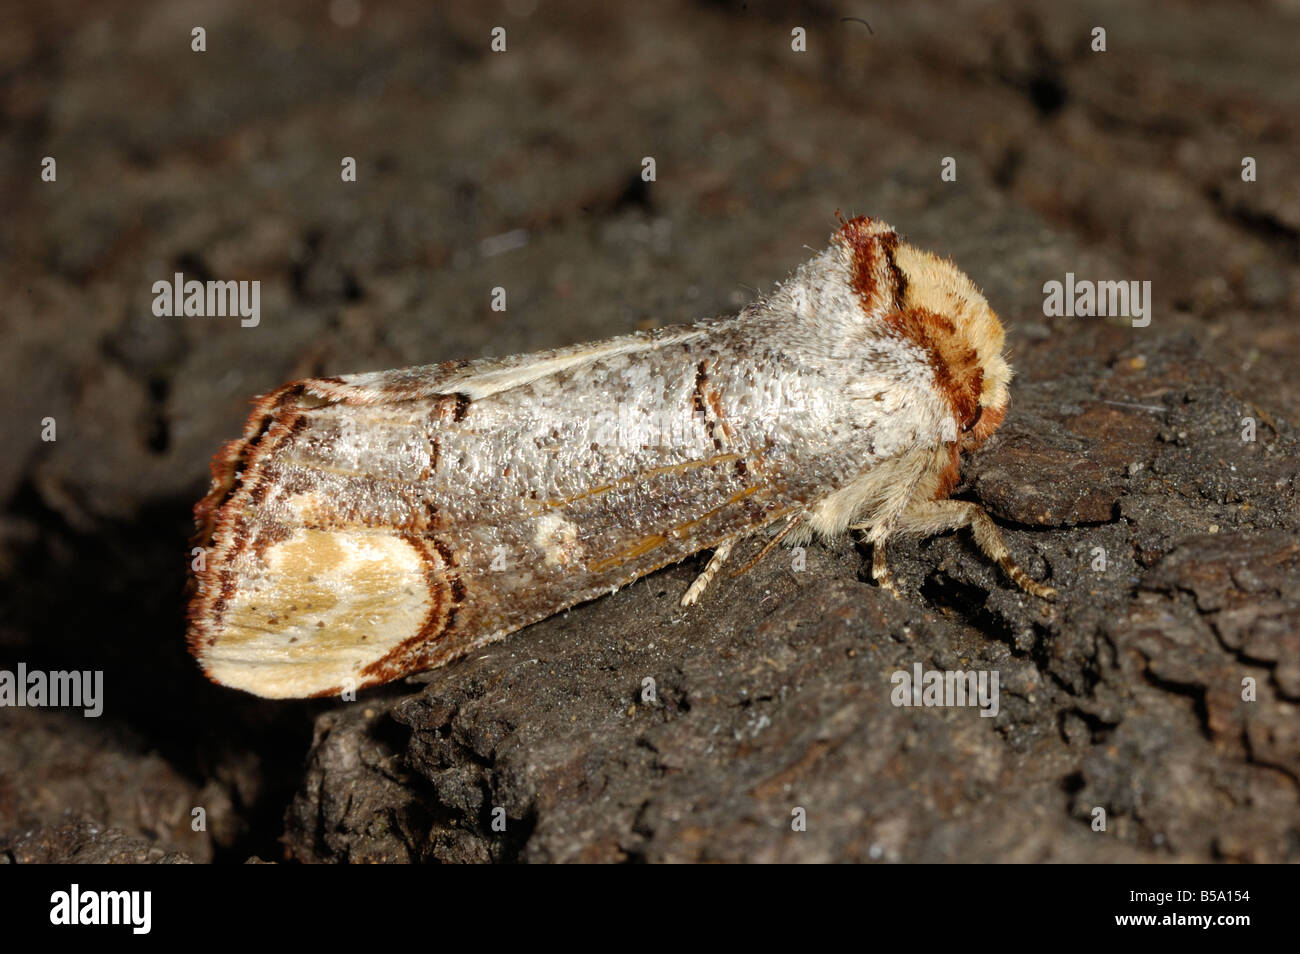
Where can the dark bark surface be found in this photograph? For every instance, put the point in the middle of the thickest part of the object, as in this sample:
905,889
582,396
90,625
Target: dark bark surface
774,693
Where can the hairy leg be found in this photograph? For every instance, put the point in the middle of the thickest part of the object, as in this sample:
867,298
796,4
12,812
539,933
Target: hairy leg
702,581
722,552
887,520
880,570
936,516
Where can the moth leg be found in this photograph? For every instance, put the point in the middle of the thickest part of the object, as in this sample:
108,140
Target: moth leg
724,550
927,519
791,522
884,521
880,572
702,581
880,569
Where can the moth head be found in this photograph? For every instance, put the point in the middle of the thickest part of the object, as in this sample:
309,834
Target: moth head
931,304
943,306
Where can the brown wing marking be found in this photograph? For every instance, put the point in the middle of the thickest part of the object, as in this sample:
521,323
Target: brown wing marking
439,625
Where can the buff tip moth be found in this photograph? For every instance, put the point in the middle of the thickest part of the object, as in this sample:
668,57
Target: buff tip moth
368,526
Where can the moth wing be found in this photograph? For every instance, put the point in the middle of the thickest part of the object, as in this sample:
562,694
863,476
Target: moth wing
314,608
486,376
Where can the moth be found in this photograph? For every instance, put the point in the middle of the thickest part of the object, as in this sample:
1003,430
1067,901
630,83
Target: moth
372,525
